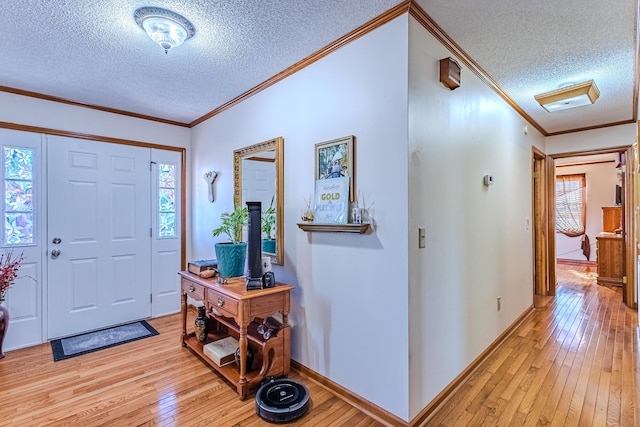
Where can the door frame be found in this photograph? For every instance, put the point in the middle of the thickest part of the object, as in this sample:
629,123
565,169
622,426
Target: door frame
540,223
113,140
628,294
100,138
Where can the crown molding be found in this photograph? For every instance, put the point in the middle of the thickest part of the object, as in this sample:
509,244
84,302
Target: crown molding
430,25
417,13
90,106
375,23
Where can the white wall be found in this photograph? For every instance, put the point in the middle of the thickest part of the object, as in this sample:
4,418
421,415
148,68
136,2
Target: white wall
478,246
615,136
54,115
349,308
601,183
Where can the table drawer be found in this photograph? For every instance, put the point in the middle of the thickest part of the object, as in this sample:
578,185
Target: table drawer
194,290
222,303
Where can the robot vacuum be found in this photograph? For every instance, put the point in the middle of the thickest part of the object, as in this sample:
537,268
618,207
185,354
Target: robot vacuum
281,400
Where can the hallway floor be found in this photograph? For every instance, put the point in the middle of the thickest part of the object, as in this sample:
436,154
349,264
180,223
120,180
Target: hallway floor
574,362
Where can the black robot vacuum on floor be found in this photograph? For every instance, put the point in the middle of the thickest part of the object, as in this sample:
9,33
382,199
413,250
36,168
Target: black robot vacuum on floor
281,400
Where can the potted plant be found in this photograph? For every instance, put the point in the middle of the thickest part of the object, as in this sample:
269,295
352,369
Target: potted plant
268,225
231,255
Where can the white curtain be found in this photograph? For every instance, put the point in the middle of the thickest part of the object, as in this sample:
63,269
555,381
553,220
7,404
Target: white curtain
571,204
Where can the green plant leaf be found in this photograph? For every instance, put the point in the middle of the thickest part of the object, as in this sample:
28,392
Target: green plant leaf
231,224
269,219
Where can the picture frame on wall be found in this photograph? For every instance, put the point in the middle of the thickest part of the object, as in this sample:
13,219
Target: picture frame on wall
335,159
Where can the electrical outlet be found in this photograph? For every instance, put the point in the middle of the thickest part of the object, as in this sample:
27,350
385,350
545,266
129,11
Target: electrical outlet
499,303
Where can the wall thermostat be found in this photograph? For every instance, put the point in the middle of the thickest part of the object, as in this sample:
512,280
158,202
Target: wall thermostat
488,180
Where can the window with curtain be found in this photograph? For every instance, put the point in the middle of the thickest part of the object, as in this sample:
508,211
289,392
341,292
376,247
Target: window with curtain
571,204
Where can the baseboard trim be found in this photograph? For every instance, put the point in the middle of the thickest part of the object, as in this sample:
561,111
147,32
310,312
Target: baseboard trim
391,420
567,261
369,408
431,409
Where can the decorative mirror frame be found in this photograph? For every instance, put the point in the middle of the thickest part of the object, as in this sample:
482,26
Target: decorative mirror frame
276,144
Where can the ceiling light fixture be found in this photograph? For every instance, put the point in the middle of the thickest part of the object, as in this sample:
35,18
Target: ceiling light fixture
567,97
165,27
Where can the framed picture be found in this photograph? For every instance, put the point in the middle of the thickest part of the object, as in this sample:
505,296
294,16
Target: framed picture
335,159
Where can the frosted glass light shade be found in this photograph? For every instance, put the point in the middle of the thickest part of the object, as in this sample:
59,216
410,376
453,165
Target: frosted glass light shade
164,27
577,95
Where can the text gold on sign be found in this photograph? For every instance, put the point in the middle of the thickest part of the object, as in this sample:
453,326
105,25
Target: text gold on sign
330,196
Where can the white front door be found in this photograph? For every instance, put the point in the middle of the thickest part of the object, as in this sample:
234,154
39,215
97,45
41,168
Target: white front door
98,241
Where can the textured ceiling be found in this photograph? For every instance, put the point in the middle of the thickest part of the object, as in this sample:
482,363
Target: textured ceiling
535,46
94,53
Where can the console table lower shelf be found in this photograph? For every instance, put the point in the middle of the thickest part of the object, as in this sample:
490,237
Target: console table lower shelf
234,311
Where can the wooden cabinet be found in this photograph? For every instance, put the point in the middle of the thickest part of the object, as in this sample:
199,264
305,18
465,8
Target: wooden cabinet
610,260
237,312
611,218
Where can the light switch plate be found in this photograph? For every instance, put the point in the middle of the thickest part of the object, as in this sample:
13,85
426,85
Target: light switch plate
422,237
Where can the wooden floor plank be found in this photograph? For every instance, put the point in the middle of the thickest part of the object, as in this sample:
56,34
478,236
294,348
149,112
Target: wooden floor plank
573,362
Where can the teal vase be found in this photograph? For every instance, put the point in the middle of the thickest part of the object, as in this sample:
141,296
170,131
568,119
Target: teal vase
231,259
269,246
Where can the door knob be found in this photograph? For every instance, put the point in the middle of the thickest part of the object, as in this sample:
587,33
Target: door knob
55,253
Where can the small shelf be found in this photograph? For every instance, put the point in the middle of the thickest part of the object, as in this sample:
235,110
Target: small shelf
252,331
334,228
230,371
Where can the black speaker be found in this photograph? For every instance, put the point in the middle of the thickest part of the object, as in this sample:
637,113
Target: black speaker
268,280
254,246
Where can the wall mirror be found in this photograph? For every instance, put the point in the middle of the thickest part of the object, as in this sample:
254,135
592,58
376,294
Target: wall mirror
259,177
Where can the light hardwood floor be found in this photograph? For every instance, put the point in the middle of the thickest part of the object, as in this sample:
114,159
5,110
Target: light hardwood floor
574,362
151,382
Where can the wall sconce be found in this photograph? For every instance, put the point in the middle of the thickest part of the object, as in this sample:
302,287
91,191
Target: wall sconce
567,97
210,178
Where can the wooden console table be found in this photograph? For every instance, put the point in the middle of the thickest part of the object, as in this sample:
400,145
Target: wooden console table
237,312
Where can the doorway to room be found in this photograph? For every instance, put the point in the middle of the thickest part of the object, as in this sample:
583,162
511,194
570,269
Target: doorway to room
600,238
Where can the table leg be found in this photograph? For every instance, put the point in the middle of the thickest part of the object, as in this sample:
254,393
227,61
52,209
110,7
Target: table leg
286,337
242,381
183,310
